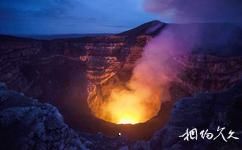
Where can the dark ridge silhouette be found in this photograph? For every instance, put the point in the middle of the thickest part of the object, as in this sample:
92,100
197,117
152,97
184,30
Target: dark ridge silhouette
150,28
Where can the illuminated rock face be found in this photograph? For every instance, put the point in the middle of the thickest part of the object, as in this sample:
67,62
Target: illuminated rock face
98,65
108,73
99,59
200,73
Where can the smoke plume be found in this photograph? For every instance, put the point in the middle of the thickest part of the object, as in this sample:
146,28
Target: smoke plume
196,10
149,84
148,88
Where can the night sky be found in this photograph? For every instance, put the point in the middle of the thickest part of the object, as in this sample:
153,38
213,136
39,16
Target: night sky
71,16
42,17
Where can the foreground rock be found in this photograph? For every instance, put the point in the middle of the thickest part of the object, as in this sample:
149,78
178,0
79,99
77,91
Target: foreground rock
27,124
203,111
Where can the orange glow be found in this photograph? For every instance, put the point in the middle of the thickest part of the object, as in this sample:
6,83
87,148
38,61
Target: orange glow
125,107
140,99
137,102
130,106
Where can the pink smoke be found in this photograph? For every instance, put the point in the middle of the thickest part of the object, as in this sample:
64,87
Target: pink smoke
196,10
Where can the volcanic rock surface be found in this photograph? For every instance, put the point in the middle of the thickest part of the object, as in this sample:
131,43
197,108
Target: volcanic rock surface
72,73
26,123
203,111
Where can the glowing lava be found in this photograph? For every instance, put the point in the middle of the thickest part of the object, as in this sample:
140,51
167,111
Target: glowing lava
140,99
137,102
127,106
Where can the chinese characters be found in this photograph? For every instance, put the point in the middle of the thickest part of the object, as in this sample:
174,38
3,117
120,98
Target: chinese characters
194,134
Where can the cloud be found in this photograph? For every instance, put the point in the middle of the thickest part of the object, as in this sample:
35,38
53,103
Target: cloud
70,16
196,10
32,8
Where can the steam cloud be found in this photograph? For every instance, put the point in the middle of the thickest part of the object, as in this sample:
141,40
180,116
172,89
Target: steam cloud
157,67
196,10
149,84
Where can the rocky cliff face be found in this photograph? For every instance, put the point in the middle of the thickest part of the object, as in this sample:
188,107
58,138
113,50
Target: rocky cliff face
103,56
204,111
65,72
110,59
14,53
204,73
26,123
74,73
